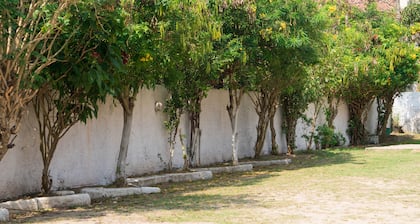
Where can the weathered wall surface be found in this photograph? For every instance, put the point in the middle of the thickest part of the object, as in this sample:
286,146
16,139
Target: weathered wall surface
406,112
87,155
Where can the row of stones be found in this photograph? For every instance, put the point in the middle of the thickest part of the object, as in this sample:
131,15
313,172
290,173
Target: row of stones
72,200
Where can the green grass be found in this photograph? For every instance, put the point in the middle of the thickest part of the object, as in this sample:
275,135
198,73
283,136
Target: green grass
342,185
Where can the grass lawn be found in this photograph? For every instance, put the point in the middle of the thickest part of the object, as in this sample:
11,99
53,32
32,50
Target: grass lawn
333,186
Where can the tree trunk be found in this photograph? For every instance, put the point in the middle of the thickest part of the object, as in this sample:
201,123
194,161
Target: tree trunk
274,145
357,130
384,111
262,126
48,146
193,149
46,182
235,97
266,105
121,176
172,141
318,106
234,126
195,136
291,135
332,111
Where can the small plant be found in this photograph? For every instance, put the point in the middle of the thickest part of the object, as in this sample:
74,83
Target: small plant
326,137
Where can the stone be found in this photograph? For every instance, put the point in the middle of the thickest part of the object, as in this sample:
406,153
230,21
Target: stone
94,192
228,169
100,192
172,177
21,205
62,193
150,190
269,162
67,201
4,215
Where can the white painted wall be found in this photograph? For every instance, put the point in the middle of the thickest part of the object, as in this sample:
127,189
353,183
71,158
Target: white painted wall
87,155
340,124
406,111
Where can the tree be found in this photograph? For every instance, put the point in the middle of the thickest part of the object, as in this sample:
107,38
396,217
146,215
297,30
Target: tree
71,88
373,51
28,32
143,28
237,19
400,61
287,34
411,14
190,69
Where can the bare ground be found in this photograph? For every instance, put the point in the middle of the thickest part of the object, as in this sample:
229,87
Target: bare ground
346,187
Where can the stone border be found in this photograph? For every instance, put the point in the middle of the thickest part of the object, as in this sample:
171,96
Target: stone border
42,203
100,192
4,215
228,169
171,177
269,162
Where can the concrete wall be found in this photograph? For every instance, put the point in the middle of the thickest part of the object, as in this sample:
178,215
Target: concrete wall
406,112
340,124
87,155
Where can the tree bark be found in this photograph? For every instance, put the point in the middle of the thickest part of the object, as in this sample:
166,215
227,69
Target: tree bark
172,141
235,97
274,145
194,147
318,106
266,104
333,110
386,102
195,136
234,126
121,175
358,112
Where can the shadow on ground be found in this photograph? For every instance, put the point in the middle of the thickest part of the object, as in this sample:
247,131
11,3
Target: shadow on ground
187,196
400,138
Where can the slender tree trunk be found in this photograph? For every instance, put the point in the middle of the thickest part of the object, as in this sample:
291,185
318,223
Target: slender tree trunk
291,136
47,150
47,154
262,126
121,175
386,104
195,137
332,110
318,106
266,104
46,182
172,141
184,151
274,145
235,97
193,150
234,126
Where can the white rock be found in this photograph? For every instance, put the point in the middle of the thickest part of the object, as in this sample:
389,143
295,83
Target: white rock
67,201
100,192
62,193
172,177
94,192
269,162
150,190
228,169
4,215
23,205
